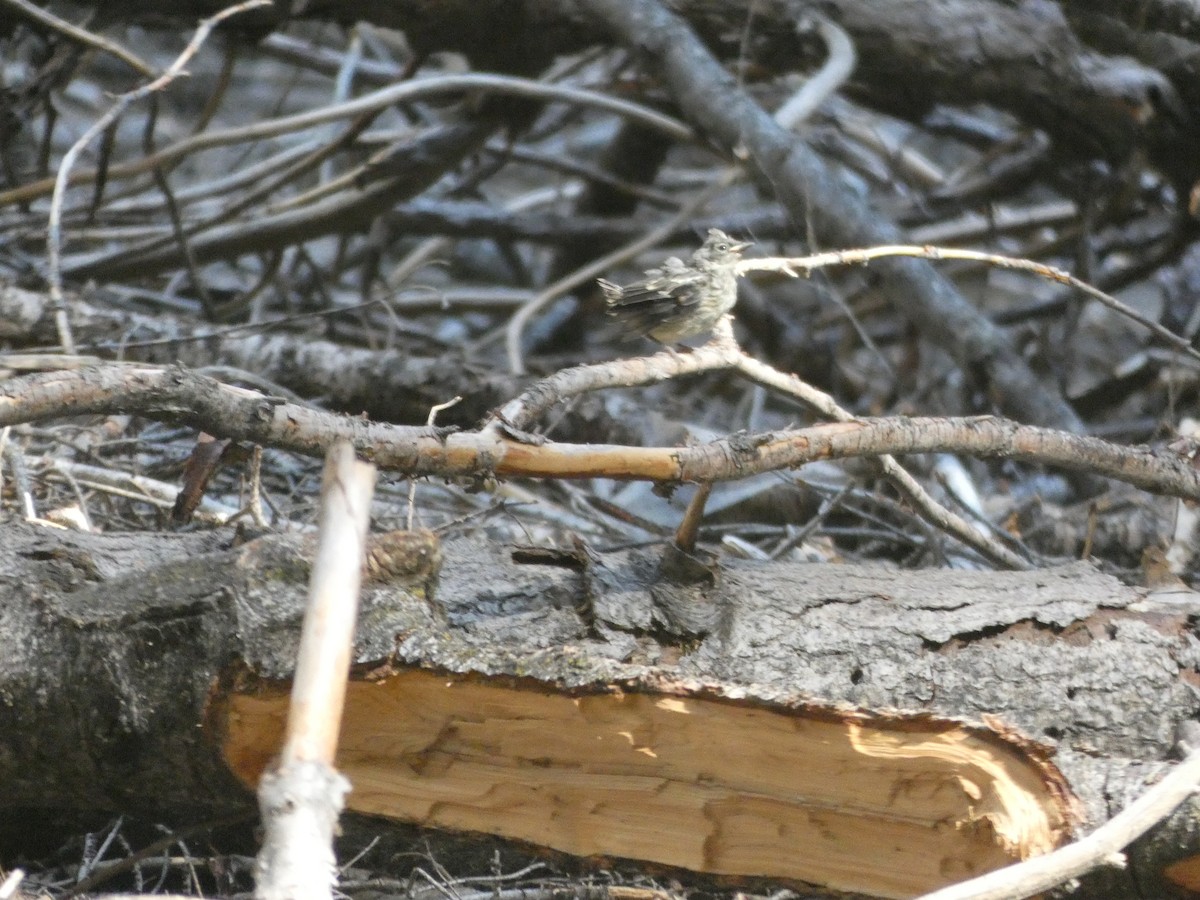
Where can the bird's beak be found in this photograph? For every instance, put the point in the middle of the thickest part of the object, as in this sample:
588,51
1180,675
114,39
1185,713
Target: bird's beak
739,246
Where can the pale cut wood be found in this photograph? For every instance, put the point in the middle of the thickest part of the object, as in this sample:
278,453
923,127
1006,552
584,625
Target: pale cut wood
1100,848
889,806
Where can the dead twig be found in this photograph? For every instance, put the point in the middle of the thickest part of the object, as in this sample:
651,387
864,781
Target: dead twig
187,397
1101,847
412,486
54,223
725,353
794,266
302,797
81,35
368,103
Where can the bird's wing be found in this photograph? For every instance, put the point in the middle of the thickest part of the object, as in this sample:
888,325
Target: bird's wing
612,292
667,290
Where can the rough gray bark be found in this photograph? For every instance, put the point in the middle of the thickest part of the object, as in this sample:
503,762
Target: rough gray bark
116,647
113,646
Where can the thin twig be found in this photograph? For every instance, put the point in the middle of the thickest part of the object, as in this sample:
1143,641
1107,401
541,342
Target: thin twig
412,484
301,797
372,103
835,72
927,507
1101,847
11,882
793,266
54,225
22,485
175,216
254,503
264,187
81,35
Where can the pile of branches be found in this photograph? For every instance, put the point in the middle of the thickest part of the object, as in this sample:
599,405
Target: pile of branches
974,228
387,211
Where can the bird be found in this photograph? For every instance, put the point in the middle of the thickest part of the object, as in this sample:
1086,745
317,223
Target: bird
680,299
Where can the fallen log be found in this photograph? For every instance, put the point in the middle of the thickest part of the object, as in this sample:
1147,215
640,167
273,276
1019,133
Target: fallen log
858,728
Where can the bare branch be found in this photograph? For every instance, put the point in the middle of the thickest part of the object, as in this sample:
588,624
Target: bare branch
1101,847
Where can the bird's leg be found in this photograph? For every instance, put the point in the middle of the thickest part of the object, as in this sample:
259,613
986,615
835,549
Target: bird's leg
676,351
722,333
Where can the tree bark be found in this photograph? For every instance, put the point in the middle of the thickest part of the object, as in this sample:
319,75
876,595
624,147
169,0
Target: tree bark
591,702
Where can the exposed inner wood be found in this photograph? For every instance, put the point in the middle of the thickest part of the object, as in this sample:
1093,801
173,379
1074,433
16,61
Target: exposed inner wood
890,806
1185,873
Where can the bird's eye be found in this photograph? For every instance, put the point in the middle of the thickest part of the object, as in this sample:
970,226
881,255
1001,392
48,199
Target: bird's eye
722,247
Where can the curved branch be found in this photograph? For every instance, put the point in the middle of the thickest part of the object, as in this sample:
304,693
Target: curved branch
178,395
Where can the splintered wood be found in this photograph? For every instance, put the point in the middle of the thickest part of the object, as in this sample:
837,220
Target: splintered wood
890,806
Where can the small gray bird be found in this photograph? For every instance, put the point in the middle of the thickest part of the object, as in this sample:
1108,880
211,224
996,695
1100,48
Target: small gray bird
680,300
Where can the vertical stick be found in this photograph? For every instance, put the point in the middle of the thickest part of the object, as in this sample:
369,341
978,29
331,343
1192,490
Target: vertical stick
302,795
319,689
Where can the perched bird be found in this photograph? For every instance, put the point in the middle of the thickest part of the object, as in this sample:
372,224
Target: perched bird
680,299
